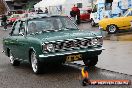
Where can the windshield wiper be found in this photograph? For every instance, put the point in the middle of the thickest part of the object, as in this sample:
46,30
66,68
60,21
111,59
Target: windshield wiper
50,30
70,28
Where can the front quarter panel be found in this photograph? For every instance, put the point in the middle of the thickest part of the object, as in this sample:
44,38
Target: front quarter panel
34,44
9,43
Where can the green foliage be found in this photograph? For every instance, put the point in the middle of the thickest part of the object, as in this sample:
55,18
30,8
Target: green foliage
30,5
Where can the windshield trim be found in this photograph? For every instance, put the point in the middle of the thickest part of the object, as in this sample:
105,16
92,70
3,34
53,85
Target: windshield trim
53,30
126,13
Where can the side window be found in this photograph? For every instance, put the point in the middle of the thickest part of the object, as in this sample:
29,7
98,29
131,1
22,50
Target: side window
130,13
22,28
16,28
79,5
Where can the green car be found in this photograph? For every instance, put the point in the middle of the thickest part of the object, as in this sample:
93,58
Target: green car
51,40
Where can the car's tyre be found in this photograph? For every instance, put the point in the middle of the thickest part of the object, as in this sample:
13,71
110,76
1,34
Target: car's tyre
93,23
91,61
111,29
35,63
12,60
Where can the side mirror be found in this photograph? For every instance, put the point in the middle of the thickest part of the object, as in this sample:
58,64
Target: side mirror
21,33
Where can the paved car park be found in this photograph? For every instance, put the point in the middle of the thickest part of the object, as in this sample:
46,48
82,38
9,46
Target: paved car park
68,76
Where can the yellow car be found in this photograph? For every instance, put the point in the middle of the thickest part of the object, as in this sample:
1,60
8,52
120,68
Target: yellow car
112,25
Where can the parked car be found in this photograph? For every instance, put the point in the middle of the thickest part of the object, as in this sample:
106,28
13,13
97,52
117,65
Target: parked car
13,18
85,15
51,39
15,12
112,25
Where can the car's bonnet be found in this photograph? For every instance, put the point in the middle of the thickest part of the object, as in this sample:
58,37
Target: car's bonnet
63,35
110,19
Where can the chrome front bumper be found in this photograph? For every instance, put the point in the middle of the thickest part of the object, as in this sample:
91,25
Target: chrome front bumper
70,52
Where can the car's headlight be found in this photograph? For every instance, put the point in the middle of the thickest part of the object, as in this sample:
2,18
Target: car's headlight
94,42
48,48
97,41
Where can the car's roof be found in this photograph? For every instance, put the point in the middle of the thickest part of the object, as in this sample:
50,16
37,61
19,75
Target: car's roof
38,17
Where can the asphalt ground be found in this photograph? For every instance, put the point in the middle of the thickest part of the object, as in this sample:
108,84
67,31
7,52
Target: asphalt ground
65,76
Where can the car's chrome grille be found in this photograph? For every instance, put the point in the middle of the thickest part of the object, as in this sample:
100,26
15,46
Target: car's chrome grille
72,44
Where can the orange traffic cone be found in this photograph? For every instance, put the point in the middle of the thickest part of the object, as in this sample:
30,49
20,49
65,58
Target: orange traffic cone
85,76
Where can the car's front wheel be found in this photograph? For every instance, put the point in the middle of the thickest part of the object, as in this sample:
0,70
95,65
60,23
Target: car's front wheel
112,29
35,63
91,61
13,61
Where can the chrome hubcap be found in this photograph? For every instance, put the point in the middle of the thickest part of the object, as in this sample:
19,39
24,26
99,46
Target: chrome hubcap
34,62
112,28
11,59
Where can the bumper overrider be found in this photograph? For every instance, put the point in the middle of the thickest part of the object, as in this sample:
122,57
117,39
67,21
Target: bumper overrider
61,56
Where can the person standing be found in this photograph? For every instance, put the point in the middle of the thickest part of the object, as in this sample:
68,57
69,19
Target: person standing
4,19
39,10
77,11
74,8
78,16
73,15
46,11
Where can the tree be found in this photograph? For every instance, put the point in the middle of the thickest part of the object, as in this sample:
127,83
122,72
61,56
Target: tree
92,2
3,8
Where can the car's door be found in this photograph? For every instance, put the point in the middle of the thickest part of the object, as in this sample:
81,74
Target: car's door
127,20
87,15
12,41
17,40
84,15
23,42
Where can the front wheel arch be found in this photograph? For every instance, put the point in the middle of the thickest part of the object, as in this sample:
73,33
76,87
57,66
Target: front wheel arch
36,65
30,50
8,52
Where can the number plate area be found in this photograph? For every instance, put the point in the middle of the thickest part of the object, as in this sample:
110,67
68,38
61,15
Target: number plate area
73,57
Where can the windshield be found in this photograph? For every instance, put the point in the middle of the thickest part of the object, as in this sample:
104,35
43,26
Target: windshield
50,23
83,11
128,13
